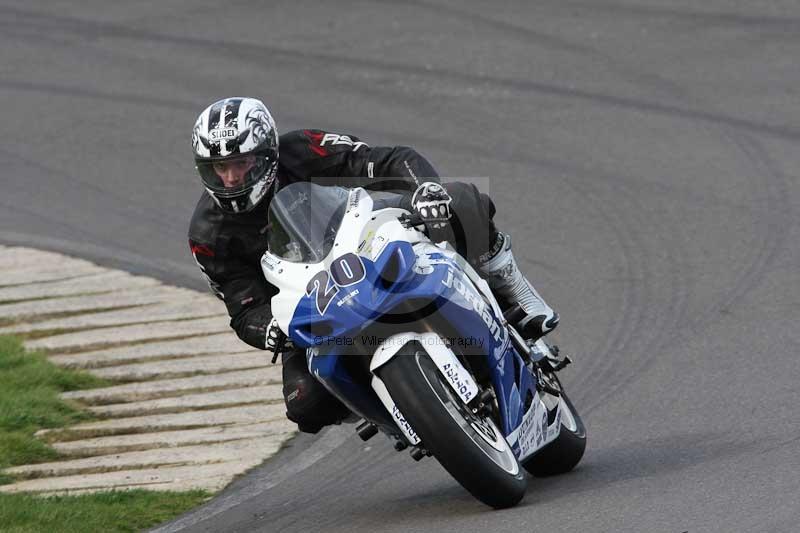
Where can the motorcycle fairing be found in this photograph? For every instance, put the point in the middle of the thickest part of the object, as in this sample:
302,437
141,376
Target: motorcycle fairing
401,271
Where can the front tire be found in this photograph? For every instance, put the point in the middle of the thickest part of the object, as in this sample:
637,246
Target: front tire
470,447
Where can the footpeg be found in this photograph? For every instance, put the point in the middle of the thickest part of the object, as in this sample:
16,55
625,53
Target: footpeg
418,452
562,363
366,430
557,362
549,357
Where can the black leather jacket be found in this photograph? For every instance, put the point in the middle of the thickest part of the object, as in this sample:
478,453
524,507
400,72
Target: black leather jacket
228,247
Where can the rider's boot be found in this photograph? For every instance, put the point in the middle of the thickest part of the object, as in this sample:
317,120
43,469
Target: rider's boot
531,315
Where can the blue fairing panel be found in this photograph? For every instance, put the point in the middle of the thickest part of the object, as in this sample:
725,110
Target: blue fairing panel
387,283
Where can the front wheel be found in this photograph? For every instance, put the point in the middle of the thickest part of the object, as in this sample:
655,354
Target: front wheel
469,446
564,453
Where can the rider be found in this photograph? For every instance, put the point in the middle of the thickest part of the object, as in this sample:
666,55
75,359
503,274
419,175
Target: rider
242,162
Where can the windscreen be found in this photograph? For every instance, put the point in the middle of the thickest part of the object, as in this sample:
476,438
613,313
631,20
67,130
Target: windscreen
304,219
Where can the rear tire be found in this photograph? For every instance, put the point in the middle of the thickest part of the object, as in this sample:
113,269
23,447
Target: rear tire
470,447
564,453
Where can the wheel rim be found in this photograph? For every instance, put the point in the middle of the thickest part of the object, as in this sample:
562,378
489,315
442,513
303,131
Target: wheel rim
481,430
486,428
567,418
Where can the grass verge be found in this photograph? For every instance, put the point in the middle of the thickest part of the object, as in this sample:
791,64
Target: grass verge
29,388
104,511
29,401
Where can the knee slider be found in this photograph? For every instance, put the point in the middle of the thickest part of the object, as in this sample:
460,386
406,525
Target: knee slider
308,402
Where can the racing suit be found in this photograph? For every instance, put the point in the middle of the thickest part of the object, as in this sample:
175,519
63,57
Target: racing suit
228,247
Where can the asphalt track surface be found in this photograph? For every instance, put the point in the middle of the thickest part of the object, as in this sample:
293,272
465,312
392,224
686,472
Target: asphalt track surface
643,155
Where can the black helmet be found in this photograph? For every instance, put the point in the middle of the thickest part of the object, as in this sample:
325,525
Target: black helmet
239,133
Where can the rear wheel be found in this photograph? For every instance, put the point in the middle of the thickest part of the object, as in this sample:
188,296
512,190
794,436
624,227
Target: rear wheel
564,453
469,446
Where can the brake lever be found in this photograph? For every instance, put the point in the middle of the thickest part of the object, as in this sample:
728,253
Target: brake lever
411,220
280,345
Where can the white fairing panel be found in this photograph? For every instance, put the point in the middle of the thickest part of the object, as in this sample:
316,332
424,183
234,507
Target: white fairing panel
534,433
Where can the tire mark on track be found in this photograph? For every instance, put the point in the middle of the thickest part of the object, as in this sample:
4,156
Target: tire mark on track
630,322
538,38
775,232
507,29
136,211
777,222
252,52
82,92
695,18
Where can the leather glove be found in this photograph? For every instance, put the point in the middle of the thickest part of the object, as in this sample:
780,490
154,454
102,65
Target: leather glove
432,203
276,341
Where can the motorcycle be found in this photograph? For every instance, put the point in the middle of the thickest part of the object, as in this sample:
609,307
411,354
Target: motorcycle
408,336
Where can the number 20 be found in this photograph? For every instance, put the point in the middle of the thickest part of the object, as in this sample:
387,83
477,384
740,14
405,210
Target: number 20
345,270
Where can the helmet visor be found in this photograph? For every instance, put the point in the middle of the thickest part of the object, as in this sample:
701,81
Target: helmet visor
234,174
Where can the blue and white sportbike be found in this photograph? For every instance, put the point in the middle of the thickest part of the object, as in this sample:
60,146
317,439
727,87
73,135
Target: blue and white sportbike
410,338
